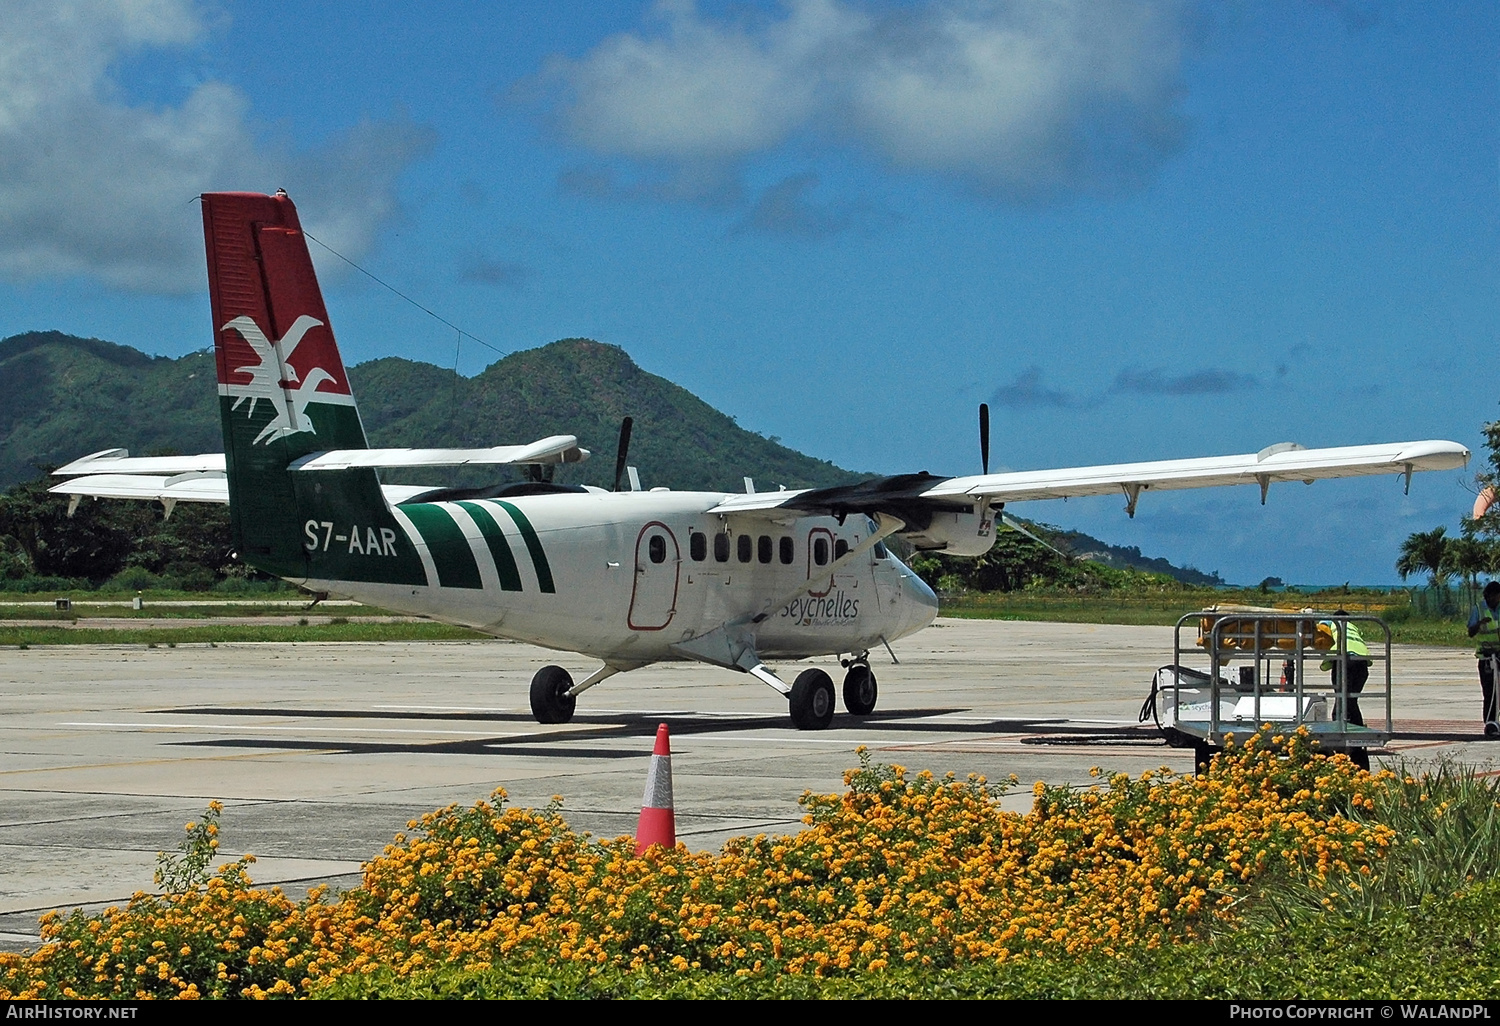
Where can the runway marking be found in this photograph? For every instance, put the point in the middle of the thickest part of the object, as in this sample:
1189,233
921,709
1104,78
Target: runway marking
684,740
209,728
135,763
449,708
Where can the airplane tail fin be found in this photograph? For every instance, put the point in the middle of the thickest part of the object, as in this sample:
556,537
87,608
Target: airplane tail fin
284,393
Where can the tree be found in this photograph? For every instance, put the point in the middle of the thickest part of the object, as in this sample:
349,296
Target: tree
1426,552
102,538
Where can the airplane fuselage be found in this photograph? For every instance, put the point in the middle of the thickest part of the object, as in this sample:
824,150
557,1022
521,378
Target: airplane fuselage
625,576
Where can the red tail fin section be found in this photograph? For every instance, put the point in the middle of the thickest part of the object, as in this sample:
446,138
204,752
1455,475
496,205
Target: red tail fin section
271,332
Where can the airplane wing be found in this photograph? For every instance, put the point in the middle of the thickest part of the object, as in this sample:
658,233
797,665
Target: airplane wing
937,510
1284,462
190,486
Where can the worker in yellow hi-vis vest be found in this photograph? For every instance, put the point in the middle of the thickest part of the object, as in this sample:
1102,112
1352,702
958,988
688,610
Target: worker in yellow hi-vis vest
1484,624
1358,664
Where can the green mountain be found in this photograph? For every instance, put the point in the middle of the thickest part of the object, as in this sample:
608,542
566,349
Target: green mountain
62,397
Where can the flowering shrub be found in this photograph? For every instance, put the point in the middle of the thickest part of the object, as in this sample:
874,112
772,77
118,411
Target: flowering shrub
899,870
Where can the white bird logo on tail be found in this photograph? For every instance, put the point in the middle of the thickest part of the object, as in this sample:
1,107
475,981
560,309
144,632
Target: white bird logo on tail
270,378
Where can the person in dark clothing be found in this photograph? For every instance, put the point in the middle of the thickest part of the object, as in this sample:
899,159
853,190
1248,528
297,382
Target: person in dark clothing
1484,624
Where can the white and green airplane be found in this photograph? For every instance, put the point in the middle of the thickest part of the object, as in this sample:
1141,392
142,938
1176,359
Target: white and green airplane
628,577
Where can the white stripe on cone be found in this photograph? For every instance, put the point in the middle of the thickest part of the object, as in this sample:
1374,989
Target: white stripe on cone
656,824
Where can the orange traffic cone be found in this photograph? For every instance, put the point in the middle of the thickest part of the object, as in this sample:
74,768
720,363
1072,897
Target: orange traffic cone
656,825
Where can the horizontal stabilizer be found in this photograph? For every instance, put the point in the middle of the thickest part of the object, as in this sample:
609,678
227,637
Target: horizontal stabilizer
119,461
556,449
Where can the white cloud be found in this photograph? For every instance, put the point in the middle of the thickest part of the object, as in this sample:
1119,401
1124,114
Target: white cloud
1019,97
93,185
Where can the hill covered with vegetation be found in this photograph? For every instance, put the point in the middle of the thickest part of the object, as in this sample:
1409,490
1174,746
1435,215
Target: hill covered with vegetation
62,397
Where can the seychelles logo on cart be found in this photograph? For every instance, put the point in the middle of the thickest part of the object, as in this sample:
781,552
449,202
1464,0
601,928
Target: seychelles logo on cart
275,380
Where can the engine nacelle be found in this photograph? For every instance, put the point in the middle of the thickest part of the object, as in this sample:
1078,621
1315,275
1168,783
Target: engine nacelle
957,532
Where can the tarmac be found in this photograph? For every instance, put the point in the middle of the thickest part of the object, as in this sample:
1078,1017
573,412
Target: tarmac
322,752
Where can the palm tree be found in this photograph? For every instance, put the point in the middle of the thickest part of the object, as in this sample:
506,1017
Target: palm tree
1426,552
1467,557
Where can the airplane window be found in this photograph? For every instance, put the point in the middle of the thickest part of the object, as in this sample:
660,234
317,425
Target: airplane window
820,551
788,552
763,548
880,552
698,546
657,547
746,547
721,547
840,549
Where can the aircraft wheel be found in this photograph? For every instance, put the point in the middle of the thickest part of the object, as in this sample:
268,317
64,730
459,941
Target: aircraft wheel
859,690
550,701
812,700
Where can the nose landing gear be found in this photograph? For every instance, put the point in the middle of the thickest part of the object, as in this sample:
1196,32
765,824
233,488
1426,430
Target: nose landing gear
860,691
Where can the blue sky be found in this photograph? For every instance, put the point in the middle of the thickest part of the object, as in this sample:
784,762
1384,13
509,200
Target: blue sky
1138,230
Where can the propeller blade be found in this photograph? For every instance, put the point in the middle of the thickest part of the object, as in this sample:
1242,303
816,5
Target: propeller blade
624,450
984,436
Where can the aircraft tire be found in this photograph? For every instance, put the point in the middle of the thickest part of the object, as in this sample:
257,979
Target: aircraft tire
550,701
860,691
812,700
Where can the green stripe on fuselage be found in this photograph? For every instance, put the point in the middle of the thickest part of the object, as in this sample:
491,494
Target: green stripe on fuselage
533,546
505,563
449,547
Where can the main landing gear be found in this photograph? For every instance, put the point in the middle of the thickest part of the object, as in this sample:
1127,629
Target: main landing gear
550,701
811,698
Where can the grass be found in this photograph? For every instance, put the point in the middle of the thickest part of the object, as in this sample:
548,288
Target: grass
1164,608
1160,608
157,611
225,633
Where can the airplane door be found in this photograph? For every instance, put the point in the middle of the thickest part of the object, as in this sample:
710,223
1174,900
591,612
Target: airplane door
819,554
658,561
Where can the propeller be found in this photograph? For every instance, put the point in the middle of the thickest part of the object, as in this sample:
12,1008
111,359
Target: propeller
984,436
624,450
